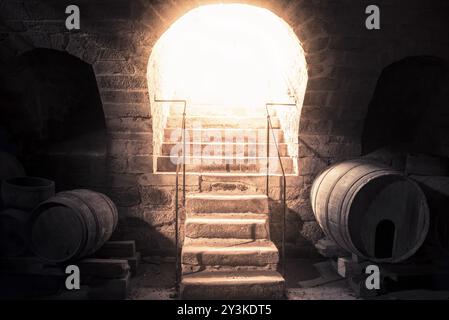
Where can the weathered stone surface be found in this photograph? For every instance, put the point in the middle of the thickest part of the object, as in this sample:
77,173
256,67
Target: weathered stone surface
219,203
122,180
158,218
130,124
233,285
239,226
223,252
125,197
122,82
304,209
167,179
311,165
140,164
311,231
156,196
124,96
129,147
128,110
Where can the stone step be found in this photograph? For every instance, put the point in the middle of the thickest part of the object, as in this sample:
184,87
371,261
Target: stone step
233,285
229,252
230,149
229,183
236,226
219,203
259,122
228,134
226,164
216,110
239,183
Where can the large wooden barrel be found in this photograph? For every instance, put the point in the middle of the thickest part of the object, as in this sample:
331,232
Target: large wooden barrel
13,232
72,224
370,210
26,193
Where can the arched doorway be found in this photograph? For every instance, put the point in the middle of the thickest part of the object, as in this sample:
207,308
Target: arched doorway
228,60
51,117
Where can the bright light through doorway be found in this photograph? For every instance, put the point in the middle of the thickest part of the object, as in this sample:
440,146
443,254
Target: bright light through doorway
234,57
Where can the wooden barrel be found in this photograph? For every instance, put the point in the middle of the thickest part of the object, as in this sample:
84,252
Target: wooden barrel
10,167
26,193
13,232
72,224
370,210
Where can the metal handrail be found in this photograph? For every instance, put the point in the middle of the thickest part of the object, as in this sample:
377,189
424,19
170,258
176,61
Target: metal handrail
284,180
177,269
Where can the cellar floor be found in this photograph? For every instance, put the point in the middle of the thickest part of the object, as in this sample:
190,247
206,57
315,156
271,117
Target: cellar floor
155,281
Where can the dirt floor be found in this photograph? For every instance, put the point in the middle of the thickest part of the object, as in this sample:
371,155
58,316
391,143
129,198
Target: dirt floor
305,280
156,277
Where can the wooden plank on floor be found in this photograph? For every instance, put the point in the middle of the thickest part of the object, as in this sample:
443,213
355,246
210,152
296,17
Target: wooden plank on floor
134,263
117,249
104,268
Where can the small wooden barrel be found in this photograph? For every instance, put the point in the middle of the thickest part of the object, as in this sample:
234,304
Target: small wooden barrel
72,224
371,210
13,232
26,193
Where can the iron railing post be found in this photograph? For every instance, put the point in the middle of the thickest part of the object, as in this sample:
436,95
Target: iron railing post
177,266
184,156
284,214
268,155
283,192
177,271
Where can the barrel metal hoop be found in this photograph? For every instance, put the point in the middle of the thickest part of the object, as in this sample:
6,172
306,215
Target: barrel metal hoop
89,240
314,205
91,210
326,211
113,208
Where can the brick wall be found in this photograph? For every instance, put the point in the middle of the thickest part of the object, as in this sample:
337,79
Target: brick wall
344,62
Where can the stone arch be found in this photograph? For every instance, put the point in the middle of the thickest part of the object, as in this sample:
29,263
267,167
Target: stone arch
51,110
410,101
296,76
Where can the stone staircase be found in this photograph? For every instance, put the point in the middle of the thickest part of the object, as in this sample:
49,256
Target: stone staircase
227,251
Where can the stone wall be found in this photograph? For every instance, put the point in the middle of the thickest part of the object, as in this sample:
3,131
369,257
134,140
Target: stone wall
344,62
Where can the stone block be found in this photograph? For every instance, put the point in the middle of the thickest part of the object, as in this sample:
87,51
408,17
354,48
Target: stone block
125,197
122,82
113,67
124,96
129,124
140,164
123,147
158,218
133,110
311,231
156,196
